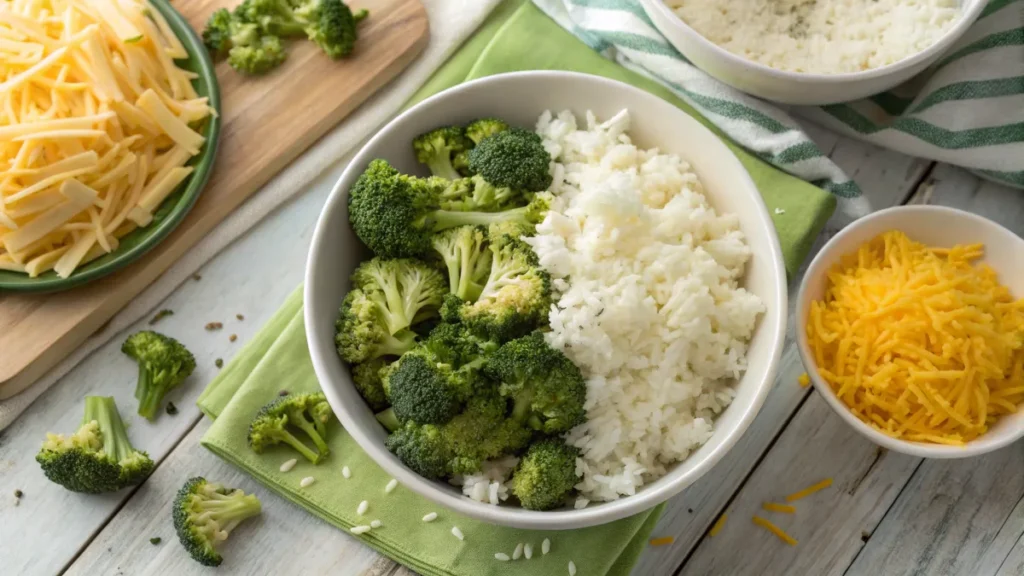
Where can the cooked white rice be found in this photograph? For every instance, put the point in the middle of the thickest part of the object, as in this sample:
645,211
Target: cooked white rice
648,302
491,484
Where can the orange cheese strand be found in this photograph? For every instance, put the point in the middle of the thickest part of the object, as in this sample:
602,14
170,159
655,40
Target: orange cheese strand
919,342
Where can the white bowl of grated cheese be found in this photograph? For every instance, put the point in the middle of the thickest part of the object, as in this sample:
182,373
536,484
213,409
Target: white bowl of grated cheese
813,52
733,214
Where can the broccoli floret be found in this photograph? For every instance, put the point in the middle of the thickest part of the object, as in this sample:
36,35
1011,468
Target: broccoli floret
547,389
436,148
258,57
404,291
546,474
224,31
426,390
367,378
274,17
515,298
362,335
388,420
98,457
307,412
396,216
455,345
331,25
164,363
477,130
204,515
477,194
514,158
465,255
479,433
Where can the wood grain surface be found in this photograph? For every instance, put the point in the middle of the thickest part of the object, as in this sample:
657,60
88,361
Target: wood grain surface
267,122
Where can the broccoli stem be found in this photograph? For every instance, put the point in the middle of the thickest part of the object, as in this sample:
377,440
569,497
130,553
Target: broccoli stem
302,423
396,345
445,219
442,166
394,308
522,405
388,419
294,442
103,410
228,510
149,400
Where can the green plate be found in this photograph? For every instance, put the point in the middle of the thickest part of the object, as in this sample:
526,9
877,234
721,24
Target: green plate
174,208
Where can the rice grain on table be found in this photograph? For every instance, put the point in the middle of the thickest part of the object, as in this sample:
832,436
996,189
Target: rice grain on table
363,507
390,486
518,553
647,304
346,472
376,524
308,480
501,556
430,517
572,568
359,529
528,550
545,547
457,533
288,465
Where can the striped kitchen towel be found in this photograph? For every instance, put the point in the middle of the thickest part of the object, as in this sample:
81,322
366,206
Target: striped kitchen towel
967,109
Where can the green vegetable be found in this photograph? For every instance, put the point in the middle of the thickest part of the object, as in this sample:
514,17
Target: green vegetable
546,474
258,57
466,258
476,194
514,158
275,422
204,515
425,390
164,363
396,215
388,420
98,457
367,378
547,389
477,130
155,540
437,147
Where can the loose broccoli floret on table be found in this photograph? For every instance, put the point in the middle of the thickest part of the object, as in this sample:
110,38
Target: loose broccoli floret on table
546,474
96,458
258,57
514,158
204,515
275,423
330,24
547,389
164,363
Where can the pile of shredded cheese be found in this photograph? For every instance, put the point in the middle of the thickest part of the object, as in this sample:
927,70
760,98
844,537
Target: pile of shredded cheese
96,126
919,342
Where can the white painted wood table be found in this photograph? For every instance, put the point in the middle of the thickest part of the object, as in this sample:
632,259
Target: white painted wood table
885,514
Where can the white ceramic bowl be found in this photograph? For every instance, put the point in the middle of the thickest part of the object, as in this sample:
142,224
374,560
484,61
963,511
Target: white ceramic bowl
934,226
796,87
520,98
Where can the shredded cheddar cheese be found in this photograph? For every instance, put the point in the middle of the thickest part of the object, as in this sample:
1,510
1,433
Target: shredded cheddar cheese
663,541
719,524
919,342
97,124
804,380
779,532
783,508
809,490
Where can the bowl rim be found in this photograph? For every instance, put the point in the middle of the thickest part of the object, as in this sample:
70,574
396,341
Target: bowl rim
605,512
969,14
817,266
188,191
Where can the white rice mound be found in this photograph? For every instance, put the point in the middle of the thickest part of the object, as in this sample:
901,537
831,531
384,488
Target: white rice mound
647,300
491,485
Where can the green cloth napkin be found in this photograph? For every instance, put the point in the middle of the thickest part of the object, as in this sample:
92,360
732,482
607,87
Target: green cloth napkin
277,359
517,36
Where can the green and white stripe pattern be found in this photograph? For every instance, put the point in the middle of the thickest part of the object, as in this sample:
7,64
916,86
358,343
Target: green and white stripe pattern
967,110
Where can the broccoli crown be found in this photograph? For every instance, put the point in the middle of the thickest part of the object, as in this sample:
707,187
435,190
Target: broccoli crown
403,291
477,130
367,378
547,388
98,457
426,390
545,475
436,148
455,345
465,256
332,26
274,17
308,412
204,515
164,363
258,57
220,27
476,194
362,335
514,158
481,432
515,298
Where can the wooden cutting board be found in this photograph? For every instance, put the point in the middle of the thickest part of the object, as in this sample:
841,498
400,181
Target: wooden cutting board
266,123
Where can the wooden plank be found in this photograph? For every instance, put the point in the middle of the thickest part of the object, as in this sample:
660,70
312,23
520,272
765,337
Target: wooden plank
252,278
267,544
887,179
866,480
265,124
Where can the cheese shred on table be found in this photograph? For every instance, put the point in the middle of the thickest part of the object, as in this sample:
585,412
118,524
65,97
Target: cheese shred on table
921,343
779,532
97,124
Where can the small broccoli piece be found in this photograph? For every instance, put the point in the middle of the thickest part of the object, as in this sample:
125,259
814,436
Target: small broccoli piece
396,216
331,25
479,433
258,57
514,158
455,345
204,515
367,378
424,389
465,255
98,457
546,474
477,194
274,17
513,229
388,420
477,130
404,291
436,148
224,31
547,388
362,335
515,298
164,363
306,412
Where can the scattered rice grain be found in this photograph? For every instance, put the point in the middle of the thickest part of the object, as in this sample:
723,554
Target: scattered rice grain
501,556
391,486
430,517
288,465
528,550
346,472
572,568
376,524
363,506
307,481
457,533
518,553
359,529
545,547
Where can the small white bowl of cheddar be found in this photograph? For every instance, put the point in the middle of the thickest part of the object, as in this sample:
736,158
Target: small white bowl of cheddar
910,323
